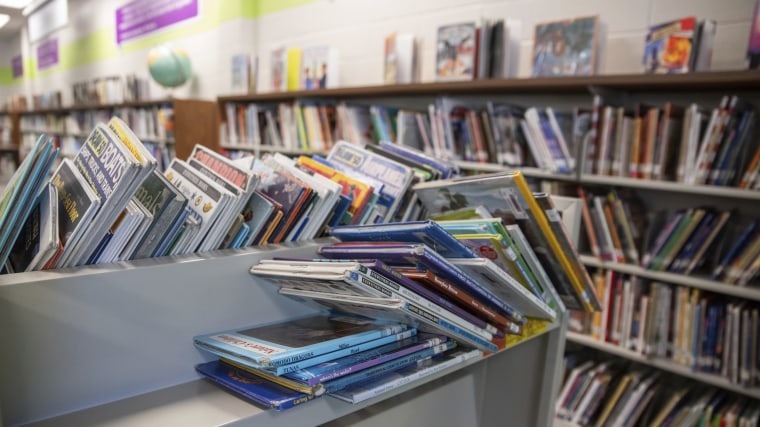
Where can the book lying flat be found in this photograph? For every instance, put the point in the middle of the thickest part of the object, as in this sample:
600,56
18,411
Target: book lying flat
422,255
392,380
261,391
426,232
285,342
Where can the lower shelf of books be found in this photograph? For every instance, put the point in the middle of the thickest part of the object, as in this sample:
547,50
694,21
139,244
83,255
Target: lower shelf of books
664,364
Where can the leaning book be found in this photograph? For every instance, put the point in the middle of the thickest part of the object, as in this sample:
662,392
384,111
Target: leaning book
285,342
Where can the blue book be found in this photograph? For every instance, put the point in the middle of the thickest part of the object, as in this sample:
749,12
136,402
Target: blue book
286,342
339,213
739,244
366,359
389,366
259,390
420,255
240,237
18,197
425,232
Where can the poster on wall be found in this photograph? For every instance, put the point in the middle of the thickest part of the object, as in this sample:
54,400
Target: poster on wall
141,17
17,66
47,54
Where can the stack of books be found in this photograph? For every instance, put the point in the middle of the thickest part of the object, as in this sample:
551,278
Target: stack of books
284,364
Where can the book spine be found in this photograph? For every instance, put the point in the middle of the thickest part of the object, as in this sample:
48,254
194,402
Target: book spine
381,271
392,290
430,318
348,380
317,379
283,368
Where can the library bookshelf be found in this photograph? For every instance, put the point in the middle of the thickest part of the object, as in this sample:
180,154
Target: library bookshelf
113,344
702,87
193,121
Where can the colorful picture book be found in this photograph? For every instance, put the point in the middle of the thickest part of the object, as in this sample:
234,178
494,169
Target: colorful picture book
281,343
669,46
455,52
566,47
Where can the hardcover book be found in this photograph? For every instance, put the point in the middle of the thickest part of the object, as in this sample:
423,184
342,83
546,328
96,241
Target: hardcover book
279,70
38,241
400,59
285,342
455,52
566,47
753,49
261,391
166,203
669,46
319,67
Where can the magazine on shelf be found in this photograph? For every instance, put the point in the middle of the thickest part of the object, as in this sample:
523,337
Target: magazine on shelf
259,390
283,342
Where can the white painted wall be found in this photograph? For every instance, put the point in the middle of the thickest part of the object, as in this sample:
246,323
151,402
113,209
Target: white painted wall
357,29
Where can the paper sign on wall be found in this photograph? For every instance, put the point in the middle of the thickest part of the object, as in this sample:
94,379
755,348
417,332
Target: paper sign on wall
47,54
140,17
17,66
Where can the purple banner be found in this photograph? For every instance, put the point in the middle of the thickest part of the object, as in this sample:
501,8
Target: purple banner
140,17
17,66
47,54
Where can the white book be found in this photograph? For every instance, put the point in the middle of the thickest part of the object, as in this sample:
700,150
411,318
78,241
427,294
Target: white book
146,218
490,276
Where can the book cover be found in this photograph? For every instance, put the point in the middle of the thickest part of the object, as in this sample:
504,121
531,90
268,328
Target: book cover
240,74
566,47
166,203
261,391
77,205
290,193
753,49
395,177
281,343
455,52
669,45
319,67
38,241
16,201
279,69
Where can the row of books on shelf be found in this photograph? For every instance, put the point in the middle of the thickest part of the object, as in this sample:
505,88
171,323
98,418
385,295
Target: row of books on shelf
154,123
114,205
111,90
701,331
722,245
602,392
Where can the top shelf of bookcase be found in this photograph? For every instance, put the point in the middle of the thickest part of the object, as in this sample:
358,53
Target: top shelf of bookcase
703,81
86,107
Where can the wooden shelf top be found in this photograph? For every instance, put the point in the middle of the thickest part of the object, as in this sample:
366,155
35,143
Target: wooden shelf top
698,81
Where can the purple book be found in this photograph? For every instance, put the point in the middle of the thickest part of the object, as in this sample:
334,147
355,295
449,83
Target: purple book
378,267
356,362
422,255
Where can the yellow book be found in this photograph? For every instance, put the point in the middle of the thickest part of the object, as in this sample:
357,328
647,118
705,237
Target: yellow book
294,68
622,385
584,288
315,390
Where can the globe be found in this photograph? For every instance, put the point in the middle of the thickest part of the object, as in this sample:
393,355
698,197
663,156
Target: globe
169,66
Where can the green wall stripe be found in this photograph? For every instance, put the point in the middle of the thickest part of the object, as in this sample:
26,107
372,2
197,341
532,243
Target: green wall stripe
6,76
101,44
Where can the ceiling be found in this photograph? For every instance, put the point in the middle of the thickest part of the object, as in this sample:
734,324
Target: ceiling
12,28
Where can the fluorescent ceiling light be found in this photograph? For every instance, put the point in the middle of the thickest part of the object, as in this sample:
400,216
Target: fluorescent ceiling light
4,19
15,4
